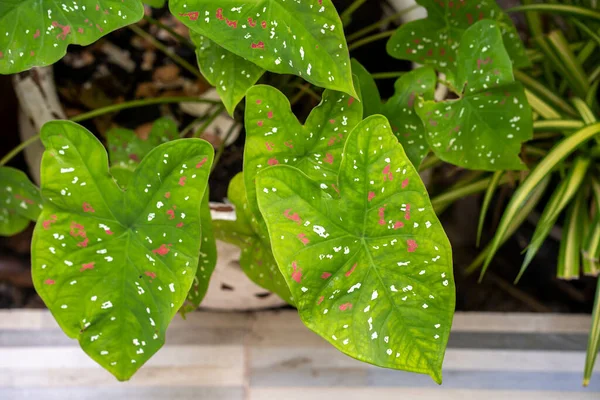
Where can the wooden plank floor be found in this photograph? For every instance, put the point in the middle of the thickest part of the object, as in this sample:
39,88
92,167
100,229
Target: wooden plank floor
272,356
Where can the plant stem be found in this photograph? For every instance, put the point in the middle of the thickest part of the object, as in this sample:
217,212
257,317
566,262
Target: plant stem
557,125
559,9
304,89
183,63
140,103
379,24
183,40
106,110
370,39
223,145
346,16
387,75
209,121
18,149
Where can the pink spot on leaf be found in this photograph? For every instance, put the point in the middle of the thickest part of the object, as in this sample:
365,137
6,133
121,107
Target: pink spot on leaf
404,183
387,174
150,274
398,225
412,245
296,272
328,158
325,275
345,306
162,250
182,180
351,270
46,224
49,282
201,163
270,114
269,146
371,196
294,217
303,238
88,208
87,266
272,161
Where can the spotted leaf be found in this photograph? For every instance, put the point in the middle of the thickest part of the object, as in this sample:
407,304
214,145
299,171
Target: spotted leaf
370,269
303,38
114,266
20,201
256,260
275,136
37,32
435,39
126,149
484,128
400,108
231,75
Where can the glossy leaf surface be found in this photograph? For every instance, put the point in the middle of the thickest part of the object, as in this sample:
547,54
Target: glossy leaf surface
435,39
231,75
37,32
485,127
370,269
256,260
275,136
303,38
114,266
20,201
400,108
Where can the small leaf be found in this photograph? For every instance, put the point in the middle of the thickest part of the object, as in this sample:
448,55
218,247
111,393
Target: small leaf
231,75
286,37
20,201
256,260
126,149
485,127
274,136
370,269
114,266
434,40
560,199
400,108
37,32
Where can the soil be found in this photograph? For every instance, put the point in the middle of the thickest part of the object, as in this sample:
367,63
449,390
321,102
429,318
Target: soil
90,78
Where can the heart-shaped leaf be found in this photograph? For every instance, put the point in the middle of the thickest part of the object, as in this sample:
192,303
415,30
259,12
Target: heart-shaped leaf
484,128
37,32
435,39
114,266
256,260
400,108
231,75
20,201
126,149
275,136
371,269
288,37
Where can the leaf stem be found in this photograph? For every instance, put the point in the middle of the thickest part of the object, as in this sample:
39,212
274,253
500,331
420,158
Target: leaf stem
346,16
370,39
183,63
388,75
106,110
209,121
559,9
554,125
183,40
379,24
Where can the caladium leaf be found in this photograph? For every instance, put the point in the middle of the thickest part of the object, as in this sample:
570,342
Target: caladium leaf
485,127
435,39
126,149
275,136
256,260
37,32
231,75
370,269
400,108
286,37
114,266
20,201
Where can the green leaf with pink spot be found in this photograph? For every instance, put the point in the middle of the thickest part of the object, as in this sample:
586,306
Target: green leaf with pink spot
275,136
20,201
434,40
230,74
256,260
126,149
37,32
400,108
485,127
304,38
370,269
113,265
